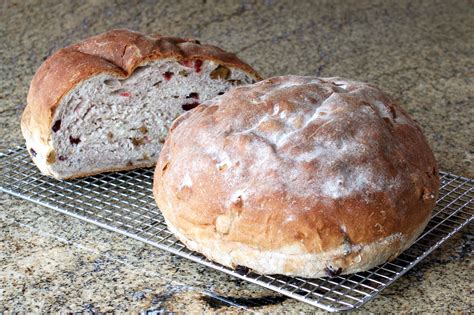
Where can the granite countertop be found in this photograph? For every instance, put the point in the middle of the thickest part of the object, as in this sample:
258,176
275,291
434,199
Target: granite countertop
421,52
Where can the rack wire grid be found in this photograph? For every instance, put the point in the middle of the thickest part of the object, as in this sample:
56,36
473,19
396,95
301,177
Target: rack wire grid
123,202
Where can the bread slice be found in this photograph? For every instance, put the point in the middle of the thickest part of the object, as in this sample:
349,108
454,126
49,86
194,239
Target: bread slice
106,103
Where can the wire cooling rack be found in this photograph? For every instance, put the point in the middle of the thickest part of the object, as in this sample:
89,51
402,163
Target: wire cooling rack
123,202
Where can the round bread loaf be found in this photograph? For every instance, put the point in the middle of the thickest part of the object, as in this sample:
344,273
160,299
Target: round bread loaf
106,103
299,176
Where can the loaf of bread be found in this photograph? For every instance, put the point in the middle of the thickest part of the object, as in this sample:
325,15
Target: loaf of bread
106,103
300,176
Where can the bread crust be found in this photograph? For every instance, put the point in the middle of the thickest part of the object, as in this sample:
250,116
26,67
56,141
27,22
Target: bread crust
308,265
244,177
117,52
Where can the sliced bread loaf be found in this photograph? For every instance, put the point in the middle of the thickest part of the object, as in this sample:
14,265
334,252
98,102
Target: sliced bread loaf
106,103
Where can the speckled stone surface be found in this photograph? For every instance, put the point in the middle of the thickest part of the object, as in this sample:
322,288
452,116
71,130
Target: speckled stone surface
419,51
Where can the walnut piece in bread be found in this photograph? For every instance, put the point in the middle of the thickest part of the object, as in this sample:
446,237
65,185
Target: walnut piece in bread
107,102
300,176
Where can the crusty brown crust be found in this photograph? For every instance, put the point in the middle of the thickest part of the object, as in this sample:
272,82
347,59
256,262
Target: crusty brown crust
117,52
208,180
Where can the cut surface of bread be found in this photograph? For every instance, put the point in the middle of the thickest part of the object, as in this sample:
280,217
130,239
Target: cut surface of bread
110,120
107,122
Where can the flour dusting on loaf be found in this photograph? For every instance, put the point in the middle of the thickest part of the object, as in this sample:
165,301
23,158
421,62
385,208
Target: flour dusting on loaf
325,168
273,139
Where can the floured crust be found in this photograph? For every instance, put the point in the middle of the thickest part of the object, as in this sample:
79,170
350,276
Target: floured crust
117,52
319,176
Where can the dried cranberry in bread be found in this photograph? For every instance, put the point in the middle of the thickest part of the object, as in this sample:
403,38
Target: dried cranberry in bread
107,102
300,176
